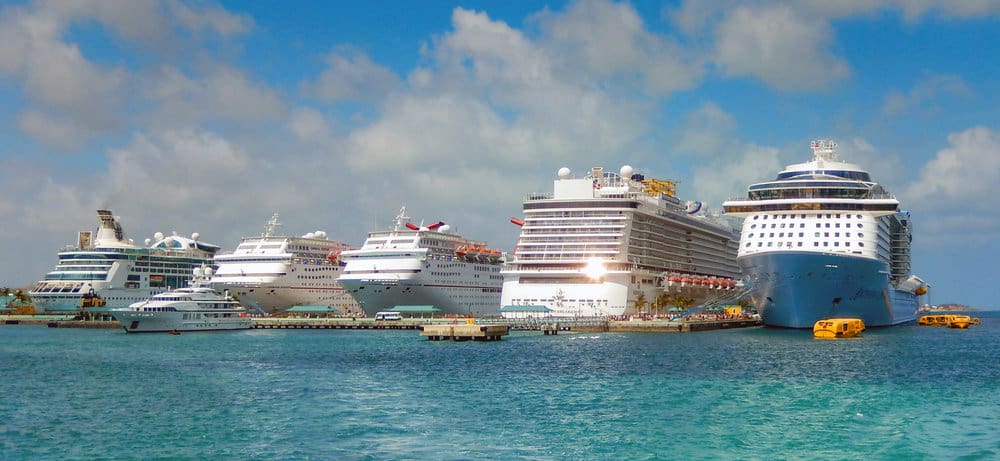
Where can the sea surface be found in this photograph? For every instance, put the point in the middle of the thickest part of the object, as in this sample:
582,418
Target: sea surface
908,392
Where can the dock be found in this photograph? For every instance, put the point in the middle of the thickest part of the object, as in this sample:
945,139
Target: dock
464,332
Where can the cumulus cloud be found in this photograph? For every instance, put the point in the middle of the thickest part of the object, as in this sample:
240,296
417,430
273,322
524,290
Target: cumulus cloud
611,40
351,76
924,93
222,93
779,46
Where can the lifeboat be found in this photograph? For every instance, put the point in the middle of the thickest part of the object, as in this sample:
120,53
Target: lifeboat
461,251
412,226
959,321
922,290
934,320
838,328
435,225
516,222
333,256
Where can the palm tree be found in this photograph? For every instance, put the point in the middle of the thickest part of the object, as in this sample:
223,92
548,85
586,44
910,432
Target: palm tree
640,302
663,300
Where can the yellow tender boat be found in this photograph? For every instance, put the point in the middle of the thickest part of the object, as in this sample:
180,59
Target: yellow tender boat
938,320
959,321
837,328
949,320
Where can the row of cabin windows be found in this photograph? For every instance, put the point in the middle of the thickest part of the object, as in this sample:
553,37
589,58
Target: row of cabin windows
803,225
815,244
803,216
802,234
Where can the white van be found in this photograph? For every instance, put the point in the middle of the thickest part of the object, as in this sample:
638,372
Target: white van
387,316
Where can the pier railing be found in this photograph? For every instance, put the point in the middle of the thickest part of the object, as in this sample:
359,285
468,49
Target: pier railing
548,323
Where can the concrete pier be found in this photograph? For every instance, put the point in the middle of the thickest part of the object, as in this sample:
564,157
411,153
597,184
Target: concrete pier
464,332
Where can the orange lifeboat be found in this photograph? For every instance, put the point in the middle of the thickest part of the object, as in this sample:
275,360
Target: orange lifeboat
461,251
333,256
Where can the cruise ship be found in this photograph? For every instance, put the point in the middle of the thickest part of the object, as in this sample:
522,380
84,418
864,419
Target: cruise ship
424,267
272,272
106,269
197,307
611,244
823,240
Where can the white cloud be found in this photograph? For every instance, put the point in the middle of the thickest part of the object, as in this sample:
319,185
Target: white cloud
223,93
611,40
779,46
352,76
707,132
924,93
963,174
57,131
210,18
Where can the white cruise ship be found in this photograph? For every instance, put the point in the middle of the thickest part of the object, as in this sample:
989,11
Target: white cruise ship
424,266
600,243
823,240
273,272
195,308
109,270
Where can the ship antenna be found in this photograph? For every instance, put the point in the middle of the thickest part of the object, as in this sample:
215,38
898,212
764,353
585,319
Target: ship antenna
400,218
824,149
272,224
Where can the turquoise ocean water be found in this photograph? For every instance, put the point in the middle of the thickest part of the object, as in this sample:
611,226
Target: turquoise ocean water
907,392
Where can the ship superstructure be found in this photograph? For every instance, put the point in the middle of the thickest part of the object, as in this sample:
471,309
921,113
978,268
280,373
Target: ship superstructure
272,272
424,267
824,240
609,244
104,269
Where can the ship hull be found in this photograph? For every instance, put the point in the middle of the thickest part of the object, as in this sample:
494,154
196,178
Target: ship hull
152,322
795,289
382,295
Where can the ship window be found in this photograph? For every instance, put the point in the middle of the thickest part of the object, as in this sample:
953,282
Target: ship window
827,224
838,215
772,226
769,243
818,225
838,225
760,244
755,217
860,226
860,234
781,234
847,225
826,244
826,234
800,243
817,234
836,234
753,226
782,225
750,235
801,234
772,234
803,216
815,244
801,225
847,244
836,244
859,216
747,245
861,244
847,234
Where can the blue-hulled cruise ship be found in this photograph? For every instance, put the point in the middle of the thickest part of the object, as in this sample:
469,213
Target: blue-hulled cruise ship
824,240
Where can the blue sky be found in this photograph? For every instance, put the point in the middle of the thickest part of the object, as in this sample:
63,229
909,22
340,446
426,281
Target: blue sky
208,117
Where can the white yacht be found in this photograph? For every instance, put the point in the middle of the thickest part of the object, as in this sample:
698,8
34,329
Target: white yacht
824,240
610,244
195,308
108,270
273,271
424,267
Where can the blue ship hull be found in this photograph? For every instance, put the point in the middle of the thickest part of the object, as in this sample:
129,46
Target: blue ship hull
795,289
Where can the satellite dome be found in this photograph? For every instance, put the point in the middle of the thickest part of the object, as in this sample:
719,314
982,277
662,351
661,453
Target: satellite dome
626,171
564,173
195,236
148,241
198,272
444,228
208,272
158,236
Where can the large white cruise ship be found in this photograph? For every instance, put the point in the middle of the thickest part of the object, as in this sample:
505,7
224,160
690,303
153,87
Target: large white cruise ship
109,270
824,240
598,244
273,272
426,266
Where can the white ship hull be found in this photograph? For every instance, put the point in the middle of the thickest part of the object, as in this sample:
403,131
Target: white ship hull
599,299
150,322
